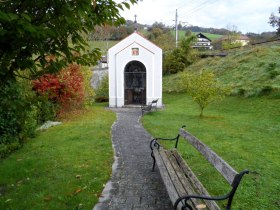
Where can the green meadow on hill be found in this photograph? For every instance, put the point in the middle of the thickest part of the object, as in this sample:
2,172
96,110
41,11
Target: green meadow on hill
248,72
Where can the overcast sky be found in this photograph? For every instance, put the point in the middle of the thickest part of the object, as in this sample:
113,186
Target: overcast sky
246,15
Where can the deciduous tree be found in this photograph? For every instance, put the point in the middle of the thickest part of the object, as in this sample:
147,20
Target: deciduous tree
42,37
181,57
231,38
203,88
275,21
32,30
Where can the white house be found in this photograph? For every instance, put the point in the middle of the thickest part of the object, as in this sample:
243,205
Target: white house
242,39
135,72
203,42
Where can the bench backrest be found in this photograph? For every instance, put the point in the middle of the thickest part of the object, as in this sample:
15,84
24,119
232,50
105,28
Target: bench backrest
223,167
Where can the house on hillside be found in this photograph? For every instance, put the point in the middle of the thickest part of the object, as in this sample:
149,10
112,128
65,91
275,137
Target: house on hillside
203,42
243,39
235,39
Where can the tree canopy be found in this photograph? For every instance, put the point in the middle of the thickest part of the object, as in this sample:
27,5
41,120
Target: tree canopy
38,37
203,87
275,21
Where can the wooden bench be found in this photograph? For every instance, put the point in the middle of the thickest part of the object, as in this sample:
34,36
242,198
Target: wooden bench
148,108
184,188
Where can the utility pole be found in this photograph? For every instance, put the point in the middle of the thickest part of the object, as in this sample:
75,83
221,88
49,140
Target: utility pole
176,29
135,23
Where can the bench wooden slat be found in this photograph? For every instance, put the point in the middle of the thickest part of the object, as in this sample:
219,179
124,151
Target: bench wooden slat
173,194
169,166
224,168
172,174
189,187
193,179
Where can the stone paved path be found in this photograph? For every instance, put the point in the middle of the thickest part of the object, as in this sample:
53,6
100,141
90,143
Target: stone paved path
133,185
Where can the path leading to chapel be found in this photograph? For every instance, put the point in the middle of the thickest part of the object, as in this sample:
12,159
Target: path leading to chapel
133,185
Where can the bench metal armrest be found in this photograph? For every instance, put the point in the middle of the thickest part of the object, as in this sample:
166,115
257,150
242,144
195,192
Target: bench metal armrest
228,196
170,139
186,198
154,102
146,108
154,144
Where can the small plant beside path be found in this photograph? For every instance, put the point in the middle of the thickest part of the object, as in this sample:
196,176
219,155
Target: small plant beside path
203,88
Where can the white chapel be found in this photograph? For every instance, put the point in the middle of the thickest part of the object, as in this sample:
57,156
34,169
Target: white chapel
135,72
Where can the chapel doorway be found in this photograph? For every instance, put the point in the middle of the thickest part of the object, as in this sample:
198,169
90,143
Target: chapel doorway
135,83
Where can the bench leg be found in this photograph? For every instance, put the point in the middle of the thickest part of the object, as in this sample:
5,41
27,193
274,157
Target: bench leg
154,161
153,145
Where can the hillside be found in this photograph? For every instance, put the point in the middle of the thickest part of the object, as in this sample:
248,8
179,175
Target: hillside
249,72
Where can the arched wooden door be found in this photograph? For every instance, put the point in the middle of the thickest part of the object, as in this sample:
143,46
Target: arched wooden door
135,83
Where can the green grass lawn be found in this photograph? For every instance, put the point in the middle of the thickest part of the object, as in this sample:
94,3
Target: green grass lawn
64,167
245,132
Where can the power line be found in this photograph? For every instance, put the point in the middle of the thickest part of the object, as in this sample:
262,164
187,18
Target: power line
199,7
184,3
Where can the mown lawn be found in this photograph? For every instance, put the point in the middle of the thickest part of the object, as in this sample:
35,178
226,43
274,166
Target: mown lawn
244,131
64,167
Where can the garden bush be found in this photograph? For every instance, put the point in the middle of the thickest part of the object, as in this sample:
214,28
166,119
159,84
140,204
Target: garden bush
102,92
180,58
173,62
17,115
46,110
89,92
203,87
25,104
64,89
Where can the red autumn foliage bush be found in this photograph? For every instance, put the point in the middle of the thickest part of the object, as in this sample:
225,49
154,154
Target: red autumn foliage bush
65,88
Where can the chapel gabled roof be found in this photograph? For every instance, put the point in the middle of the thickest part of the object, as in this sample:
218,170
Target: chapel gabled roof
138,38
